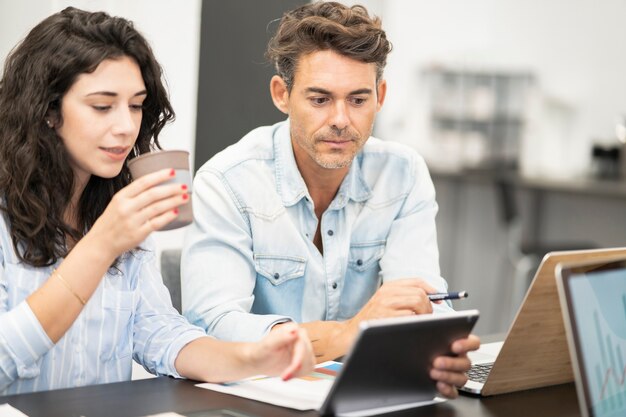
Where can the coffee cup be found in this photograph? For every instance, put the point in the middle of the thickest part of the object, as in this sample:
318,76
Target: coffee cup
179,161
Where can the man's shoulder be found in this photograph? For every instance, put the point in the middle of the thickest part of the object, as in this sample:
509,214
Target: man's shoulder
389,154
391,169
255,145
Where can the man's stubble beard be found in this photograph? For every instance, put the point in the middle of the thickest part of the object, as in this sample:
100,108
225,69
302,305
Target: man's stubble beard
331,161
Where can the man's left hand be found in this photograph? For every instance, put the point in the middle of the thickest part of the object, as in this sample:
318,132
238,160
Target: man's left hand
449,371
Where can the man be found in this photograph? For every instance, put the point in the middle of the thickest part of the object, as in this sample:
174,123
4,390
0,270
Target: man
305,219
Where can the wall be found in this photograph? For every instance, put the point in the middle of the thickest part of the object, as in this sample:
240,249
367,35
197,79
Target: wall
233,90
574,47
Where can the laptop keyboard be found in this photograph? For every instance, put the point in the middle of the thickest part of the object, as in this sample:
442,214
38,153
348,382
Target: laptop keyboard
479,372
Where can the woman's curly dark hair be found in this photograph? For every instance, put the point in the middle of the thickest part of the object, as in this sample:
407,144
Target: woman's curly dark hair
36,179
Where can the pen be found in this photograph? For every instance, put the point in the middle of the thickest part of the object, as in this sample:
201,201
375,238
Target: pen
447,296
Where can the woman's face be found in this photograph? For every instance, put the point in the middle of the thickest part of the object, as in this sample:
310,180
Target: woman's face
101,114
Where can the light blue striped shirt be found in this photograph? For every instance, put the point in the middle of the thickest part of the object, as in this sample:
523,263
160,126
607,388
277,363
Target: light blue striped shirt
130,316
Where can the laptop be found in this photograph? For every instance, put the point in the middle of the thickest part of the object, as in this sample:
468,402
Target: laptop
593,302
534,353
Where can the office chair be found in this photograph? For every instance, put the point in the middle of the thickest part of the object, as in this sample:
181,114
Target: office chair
170,270
524,256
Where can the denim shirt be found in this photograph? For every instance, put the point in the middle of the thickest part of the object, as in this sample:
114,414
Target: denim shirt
249,260
129,316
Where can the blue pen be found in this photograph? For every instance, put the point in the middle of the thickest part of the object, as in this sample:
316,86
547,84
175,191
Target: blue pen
447,296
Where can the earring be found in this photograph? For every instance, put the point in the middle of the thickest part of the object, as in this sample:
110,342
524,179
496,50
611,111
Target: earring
49,123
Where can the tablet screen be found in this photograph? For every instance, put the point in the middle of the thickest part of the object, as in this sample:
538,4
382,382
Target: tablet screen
597,310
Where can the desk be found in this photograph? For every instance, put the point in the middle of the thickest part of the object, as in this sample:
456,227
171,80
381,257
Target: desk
148,396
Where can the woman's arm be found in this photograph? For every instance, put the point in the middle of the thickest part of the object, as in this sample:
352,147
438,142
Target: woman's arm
133,213
286,352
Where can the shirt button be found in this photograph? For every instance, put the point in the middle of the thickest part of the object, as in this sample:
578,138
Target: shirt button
276,275
330,233
334,285
359,262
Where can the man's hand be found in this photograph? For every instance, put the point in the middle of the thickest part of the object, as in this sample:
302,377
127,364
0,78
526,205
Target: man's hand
449,371
403,297
332,339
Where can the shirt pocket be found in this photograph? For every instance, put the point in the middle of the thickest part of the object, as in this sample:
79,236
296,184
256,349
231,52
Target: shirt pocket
279,269
366,255
118,308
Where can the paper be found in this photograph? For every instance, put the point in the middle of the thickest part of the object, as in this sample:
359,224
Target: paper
7,411
304,393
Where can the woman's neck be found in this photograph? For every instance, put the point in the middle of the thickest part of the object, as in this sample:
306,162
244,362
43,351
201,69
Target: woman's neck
71,211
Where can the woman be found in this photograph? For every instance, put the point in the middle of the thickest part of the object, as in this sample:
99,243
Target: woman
79,290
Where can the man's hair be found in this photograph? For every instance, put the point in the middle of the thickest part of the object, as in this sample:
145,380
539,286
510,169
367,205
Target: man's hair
36,178
321,26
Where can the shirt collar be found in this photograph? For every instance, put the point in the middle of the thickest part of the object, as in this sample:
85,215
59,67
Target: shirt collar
290,184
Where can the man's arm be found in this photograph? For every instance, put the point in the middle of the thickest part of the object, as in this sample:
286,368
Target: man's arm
332,339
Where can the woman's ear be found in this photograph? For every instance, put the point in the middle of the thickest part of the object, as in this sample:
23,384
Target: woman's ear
280,94
52,117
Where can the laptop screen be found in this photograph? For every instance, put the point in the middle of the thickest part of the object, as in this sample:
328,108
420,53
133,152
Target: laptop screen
595,297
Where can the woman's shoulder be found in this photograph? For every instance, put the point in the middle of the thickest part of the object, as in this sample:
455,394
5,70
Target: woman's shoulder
145,252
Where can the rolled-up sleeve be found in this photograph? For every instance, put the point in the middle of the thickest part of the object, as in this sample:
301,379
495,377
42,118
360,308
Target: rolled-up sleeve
23,340
218,273
159,331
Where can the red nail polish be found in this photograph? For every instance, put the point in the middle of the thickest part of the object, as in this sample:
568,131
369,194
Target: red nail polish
172,173
184,186
185,196
175,211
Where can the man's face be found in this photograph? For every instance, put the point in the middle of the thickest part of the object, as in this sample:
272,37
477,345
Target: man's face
331,107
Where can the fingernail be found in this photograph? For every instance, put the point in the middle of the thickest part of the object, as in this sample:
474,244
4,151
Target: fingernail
184,186
287,377
172,172
175,211
185,196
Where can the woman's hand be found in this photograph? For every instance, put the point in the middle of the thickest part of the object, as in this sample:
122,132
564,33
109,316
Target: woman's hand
285,351
137,210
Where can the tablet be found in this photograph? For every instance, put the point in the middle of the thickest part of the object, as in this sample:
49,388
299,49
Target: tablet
593,300
388,366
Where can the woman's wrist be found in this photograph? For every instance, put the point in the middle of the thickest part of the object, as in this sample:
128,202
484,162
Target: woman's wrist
99,246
